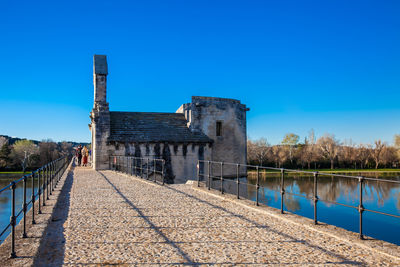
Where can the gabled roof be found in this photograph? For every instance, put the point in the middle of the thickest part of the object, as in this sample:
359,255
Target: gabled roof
144,127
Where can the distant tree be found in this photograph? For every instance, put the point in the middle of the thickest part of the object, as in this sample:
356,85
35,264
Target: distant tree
309,153
3,141
290,140
389,156
66,148
257,151
377,152
329,147
280,155
22,153
251,152
48,151
348,153
261,150
397,145
5,155
363,155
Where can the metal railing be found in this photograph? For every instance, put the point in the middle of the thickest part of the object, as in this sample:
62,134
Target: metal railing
210,171
47,178
146,168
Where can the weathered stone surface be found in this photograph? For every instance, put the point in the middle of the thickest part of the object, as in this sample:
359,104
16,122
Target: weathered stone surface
115,219
100,64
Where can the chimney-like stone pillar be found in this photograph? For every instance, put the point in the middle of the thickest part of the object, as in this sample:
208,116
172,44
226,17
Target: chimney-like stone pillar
100,115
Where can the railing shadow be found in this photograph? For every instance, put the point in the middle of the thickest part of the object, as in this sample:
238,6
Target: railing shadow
343,260
189,261
52,245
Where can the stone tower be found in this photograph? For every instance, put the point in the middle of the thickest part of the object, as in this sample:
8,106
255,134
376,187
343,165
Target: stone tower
224,121
100,115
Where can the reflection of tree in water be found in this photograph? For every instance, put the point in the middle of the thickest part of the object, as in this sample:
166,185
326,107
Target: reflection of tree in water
291,204
398,201
330,188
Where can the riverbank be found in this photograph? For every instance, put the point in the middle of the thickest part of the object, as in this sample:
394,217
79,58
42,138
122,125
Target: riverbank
334,171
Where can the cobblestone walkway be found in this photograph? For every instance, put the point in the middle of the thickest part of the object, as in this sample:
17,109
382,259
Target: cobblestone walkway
114,219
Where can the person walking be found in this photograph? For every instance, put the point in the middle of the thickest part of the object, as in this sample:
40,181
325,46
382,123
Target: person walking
85,155
79,155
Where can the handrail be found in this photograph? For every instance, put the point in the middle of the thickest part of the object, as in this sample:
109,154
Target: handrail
209,175
144,167
51,173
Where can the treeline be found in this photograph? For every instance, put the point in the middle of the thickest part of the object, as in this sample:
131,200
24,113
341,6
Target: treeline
23,155
324,152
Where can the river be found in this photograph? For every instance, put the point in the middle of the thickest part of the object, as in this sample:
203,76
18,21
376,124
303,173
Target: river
380,196
5,199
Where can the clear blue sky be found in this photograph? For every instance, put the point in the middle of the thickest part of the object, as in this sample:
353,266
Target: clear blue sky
333,66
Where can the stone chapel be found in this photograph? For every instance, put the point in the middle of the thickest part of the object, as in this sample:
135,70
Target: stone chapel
208,128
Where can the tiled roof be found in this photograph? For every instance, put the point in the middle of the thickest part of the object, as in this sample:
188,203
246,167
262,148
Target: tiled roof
152,127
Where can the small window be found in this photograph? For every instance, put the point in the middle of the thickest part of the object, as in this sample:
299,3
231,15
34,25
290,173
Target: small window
219,128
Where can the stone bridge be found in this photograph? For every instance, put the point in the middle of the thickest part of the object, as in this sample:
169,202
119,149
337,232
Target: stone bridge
101,218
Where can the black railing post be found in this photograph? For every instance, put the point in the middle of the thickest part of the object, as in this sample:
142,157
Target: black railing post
162,172
44,186
237,180
361,207
141,168
209,175
222,177
257,185
33,198
155,172
51,178
155,168
48,173
39,191
282,188
24,209
198,173
13,221
315,198
148,169
40,173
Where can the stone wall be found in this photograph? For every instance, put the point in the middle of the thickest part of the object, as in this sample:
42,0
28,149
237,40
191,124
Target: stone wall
181,159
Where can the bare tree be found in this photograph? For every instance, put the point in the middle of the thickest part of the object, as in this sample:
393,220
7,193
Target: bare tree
363,155
377,152
329,147
251,151
397,145
348,154
261,150
389,156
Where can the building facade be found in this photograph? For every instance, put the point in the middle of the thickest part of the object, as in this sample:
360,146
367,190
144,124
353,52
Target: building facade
208,128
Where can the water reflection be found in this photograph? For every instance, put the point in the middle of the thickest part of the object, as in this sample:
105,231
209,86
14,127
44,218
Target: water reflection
334,189
377,195
6,199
